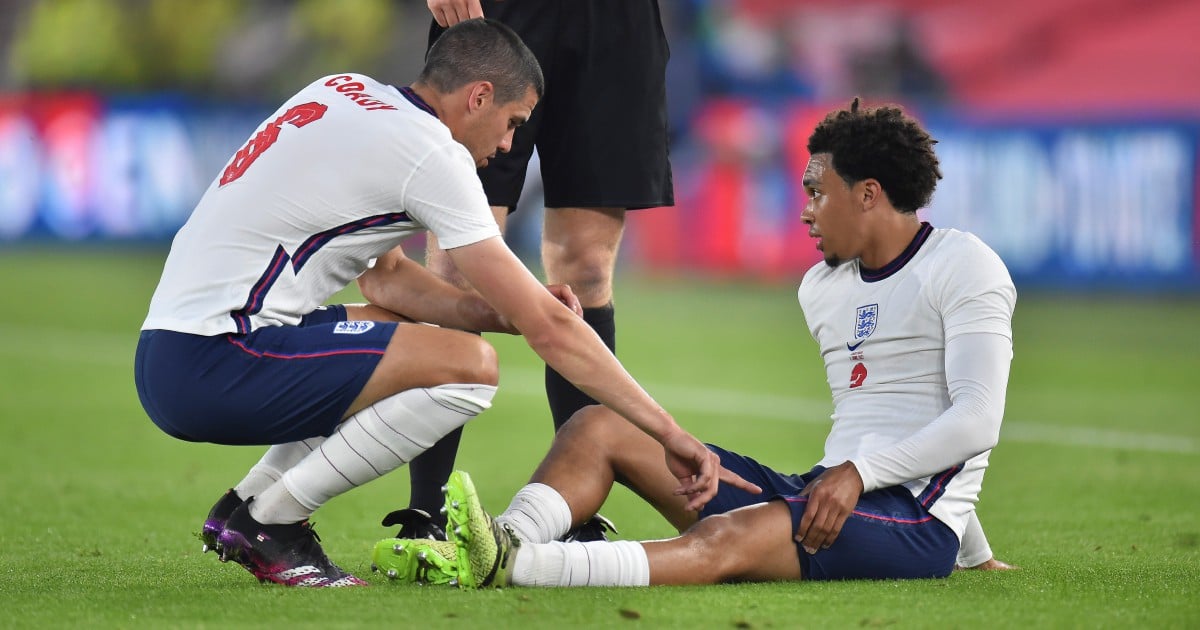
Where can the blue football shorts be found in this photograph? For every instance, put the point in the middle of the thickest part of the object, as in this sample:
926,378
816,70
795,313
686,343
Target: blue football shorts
274,385
888,536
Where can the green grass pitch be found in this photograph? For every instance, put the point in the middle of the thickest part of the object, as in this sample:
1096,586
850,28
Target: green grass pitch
1094,489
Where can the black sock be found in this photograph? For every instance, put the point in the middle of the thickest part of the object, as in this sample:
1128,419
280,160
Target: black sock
429,471
564,398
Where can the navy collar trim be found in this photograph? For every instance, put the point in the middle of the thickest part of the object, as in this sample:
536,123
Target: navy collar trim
416,100
875,275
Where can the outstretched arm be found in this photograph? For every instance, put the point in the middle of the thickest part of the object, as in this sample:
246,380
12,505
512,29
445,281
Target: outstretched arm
977,366
566,343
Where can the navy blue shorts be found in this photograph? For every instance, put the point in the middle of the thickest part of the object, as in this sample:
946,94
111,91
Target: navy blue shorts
275,385
889,535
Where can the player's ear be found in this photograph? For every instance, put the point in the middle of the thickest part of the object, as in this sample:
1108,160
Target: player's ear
480,95
869,192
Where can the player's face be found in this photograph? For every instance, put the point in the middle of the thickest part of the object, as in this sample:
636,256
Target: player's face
493,127
830,212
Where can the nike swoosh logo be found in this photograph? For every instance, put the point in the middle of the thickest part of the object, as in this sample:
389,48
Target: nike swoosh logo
855,346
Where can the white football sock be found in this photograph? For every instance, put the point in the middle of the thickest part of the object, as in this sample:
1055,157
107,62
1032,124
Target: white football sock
537,514
273,464
599,563
368,445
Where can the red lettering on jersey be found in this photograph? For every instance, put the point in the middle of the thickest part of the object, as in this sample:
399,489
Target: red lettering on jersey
351,87
297,116
347,86
858,374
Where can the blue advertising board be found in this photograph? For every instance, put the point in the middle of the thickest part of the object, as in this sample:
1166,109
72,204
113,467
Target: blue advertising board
1090,205
1076,205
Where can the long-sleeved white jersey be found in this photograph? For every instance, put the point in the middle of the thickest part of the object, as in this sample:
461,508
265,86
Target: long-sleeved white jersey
917,356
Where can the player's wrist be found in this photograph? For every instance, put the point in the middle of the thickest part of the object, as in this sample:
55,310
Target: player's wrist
663,432
867,479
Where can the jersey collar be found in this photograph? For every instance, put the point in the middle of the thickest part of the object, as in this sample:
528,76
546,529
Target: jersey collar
875,275
416,100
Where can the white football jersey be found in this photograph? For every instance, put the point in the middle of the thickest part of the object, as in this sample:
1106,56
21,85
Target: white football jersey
339,175
883,339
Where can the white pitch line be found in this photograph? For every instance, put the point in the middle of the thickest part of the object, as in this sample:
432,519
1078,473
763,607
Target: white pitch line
113,350
742,404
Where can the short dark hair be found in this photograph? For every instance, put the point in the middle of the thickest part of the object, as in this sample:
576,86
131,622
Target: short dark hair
482,50
884,144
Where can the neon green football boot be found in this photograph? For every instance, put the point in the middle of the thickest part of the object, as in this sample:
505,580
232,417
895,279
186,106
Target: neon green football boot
484,547
418,561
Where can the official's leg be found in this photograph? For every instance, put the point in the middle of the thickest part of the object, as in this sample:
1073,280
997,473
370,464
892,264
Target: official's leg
579,249
604,149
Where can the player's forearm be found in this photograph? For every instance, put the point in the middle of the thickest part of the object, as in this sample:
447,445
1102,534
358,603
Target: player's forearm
450,307
402,286
474,313
558,334
574,350
977,368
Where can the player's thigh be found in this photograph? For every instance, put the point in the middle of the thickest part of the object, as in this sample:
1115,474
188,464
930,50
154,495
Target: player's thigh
773,484
273,385
419,355
888,536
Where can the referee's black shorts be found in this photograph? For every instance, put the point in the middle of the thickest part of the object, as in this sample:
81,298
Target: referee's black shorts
601,128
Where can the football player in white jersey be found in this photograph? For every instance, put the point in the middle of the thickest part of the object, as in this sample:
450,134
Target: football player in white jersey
914,325
238,348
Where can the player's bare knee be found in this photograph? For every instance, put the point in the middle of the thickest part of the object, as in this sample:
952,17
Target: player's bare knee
482,364
712,538
595,425
450,356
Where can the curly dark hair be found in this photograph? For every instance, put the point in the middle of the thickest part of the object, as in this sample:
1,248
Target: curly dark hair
884,144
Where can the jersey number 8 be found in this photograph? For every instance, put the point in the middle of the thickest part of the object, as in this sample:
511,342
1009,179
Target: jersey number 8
297,116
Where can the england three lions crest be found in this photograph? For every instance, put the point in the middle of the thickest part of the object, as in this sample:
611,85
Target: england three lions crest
864,325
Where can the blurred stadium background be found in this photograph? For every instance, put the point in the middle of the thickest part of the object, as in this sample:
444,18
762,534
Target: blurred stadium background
1069,136
1069,128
